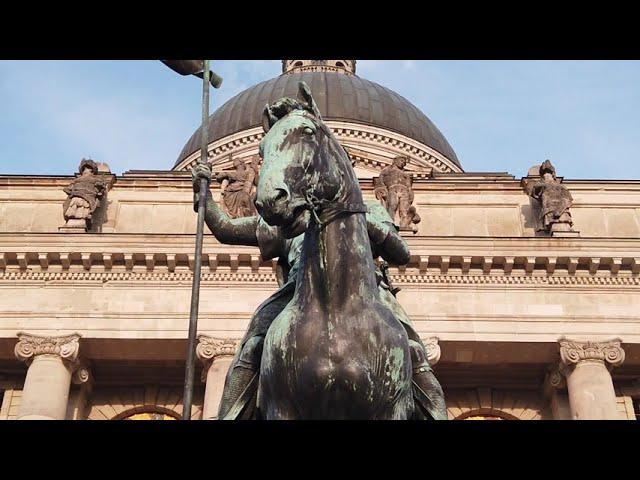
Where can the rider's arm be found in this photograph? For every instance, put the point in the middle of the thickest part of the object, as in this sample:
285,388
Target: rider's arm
234,231
392,247
384,235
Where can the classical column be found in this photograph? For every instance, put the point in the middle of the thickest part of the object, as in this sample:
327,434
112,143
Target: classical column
555,390
216,354
52,361
586,367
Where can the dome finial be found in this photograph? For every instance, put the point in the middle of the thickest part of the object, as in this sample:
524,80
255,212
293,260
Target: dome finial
347,67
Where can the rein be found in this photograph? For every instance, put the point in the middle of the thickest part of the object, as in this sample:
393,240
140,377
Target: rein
326,211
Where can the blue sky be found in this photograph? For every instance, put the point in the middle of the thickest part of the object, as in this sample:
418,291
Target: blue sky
501,116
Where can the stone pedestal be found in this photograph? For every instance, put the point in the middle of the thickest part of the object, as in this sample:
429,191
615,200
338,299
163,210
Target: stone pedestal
565,233
52,361
586,368
216,355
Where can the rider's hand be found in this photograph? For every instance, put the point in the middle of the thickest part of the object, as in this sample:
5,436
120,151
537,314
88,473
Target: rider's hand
199,172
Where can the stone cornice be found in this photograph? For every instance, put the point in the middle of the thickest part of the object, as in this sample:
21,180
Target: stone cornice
517,260
573,352
27,250
29,346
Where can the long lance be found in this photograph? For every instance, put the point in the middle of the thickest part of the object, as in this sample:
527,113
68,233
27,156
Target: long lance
199,68
197,266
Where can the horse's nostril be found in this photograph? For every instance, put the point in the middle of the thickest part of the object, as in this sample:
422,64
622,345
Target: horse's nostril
281,194
259,204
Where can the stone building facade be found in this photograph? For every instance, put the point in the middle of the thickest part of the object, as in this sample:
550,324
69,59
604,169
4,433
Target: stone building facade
522,320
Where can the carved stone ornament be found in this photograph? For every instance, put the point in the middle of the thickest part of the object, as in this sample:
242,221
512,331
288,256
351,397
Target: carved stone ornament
239,188
393,188
554,199
573,352
555,379
433,350
209,348
84,194
30,346
82,374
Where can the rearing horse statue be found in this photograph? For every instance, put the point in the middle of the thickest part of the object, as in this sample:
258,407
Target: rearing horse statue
335,351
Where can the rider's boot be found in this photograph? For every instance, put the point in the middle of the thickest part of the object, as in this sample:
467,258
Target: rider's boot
239,379
426,388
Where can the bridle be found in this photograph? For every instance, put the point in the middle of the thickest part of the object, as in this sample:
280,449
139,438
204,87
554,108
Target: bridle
325,211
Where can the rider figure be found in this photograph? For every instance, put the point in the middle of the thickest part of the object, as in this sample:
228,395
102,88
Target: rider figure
239,395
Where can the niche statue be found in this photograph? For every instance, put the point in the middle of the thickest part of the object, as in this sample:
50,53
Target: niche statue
555,200
393,189
83,196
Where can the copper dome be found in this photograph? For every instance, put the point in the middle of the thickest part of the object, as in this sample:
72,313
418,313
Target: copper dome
339,97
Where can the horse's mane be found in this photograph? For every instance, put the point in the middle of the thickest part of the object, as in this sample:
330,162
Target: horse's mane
284,106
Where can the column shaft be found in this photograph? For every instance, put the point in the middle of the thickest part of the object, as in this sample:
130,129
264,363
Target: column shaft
216,354
589,384
46,389
51,361
216,376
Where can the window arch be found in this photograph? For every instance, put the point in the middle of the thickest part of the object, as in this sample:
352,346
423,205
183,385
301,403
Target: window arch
148,412
486,416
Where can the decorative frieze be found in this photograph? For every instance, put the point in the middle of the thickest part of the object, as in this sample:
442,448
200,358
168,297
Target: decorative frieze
254,276
30,346
573,352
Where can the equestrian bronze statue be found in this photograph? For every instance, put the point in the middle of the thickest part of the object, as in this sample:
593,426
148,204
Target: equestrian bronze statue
332,342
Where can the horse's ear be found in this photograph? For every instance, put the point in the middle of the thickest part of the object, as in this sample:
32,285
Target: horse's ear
304,95
268,118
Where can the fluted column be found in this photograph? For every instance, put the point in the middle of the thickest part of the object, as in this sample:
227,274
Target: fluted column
216,354
586,367
52,362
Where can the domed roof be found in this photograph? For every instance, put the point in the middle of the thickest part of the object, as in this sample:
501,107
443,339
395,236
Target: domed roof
339,97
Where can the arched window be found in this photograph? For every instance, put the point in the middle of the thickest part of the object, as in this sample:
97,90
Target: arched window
484,414
339,64
483,417
297,64
150,416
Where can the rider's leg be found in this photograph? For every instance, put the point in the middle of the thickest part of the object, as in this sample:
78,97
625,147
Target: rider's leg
238,377
424,378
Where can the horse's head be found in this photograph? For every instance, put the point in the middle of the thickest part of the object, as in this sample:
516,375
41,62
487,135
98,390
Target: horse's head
304,167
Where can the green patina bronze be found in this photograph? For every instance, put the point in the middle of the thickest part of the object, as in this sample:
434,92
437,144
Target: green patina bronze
332,342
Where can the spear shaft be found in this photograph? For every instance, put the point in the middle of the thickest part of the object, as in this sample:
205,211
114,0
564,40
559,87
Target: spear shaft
197,265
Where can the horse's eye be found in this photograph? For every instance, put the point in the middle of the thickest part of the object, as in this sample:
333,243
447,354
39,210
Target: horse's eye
308,131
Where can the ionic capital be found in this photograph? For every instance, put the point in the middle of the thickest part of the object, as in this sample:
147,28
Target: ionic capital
209,348
433,350
572,352
29,346
555,379
81,374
